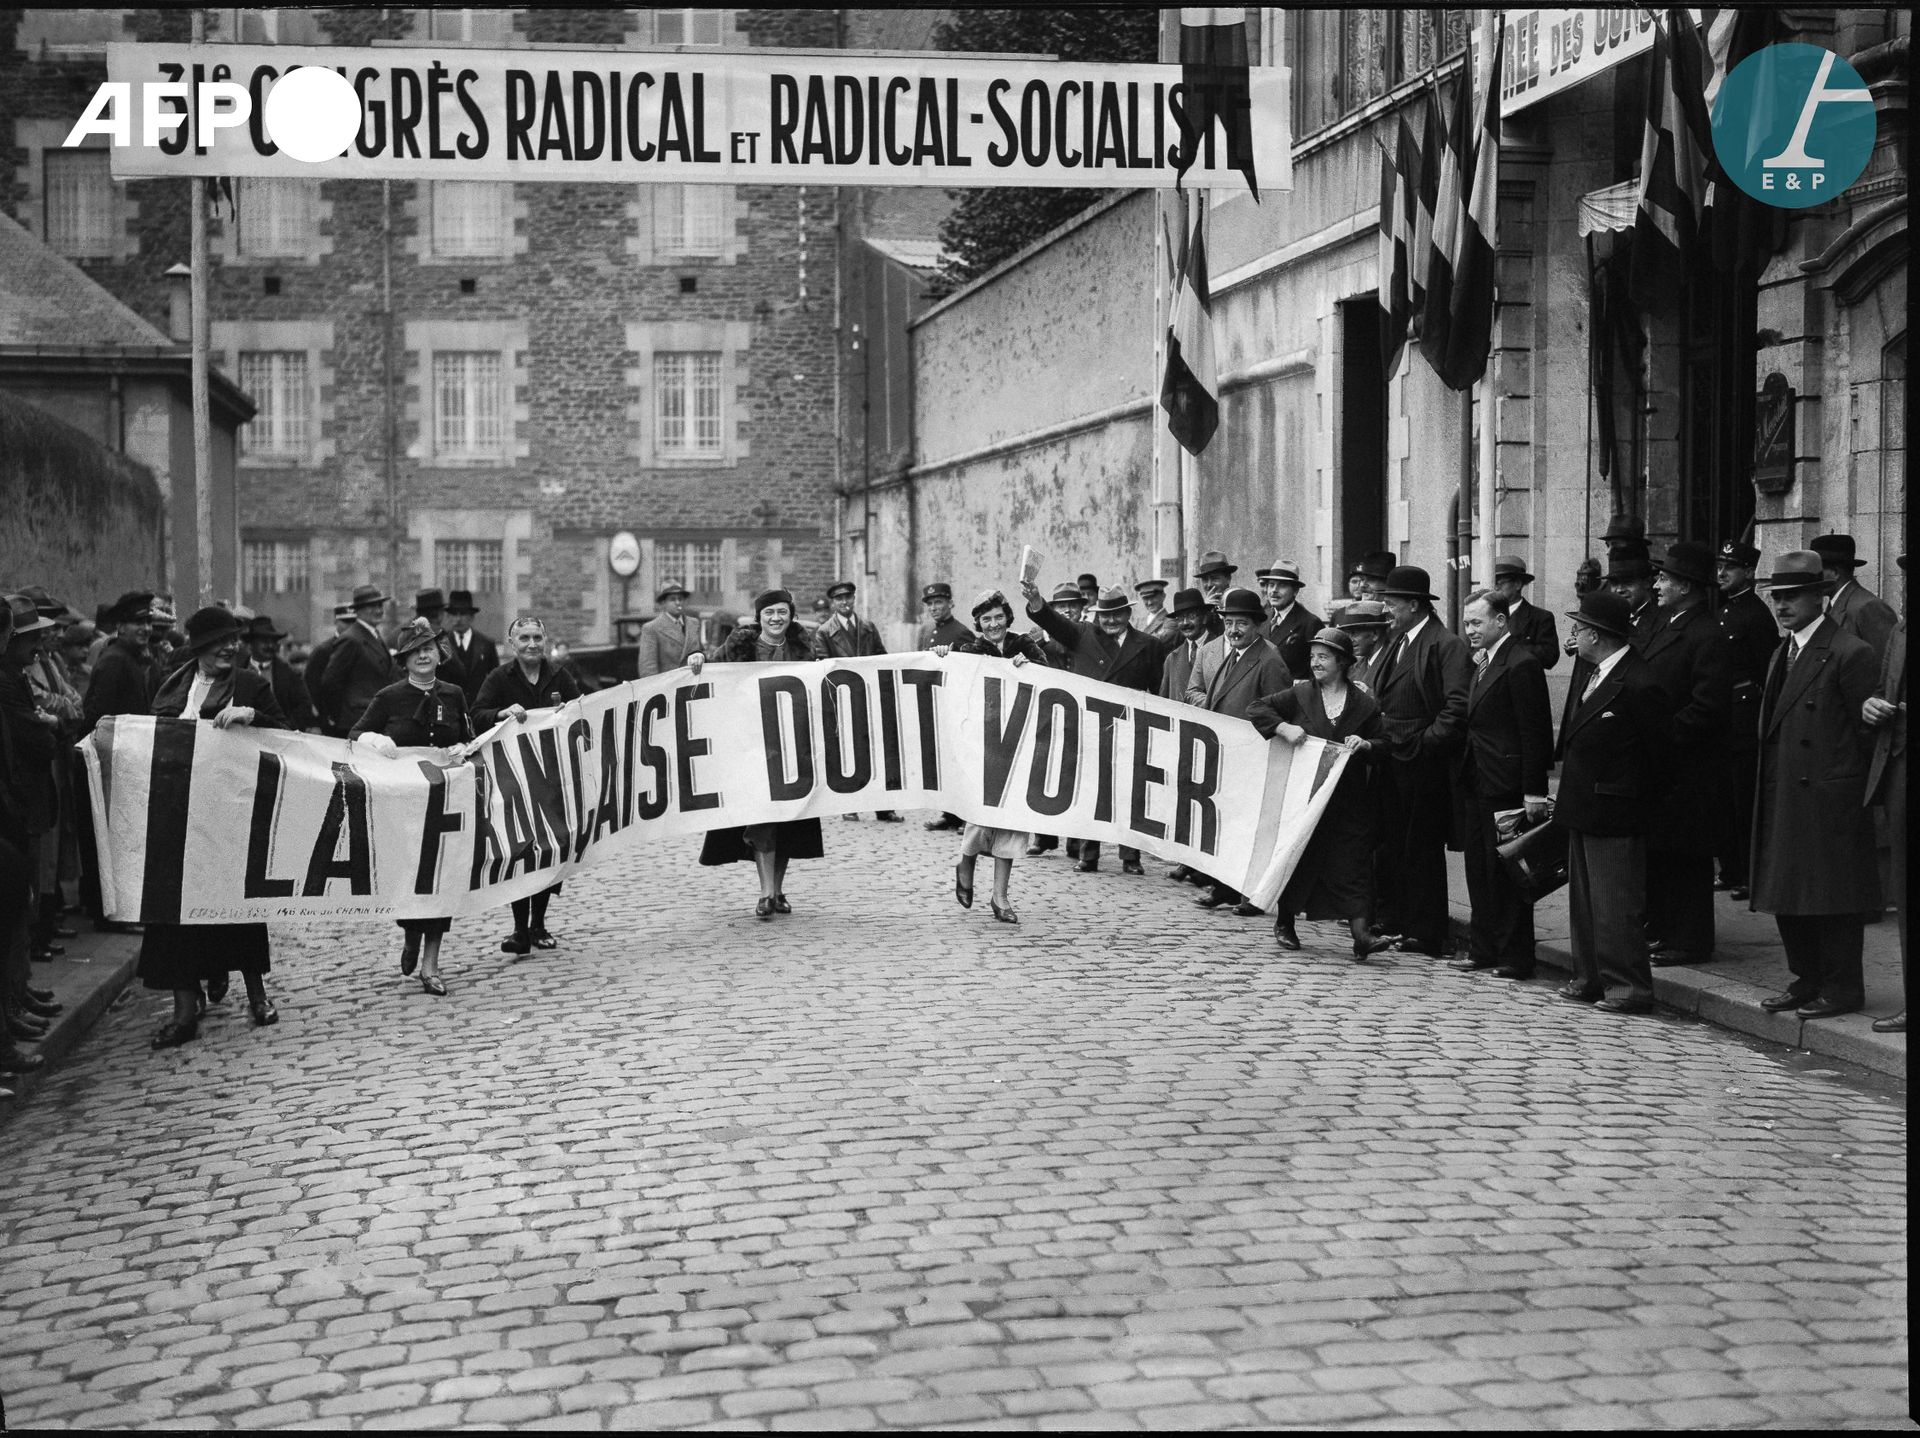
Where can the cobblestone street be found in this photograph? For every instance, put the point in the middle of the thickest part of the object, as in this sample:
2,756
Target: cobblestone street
885,1163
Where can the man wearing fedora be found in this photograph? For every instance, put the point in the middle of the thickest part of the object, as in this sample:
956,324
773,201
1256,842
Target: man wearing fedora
1290,624
1689,659
472,656
1502,766
316,670
1110,649
1751,636
263,649
122,679
1229,673
360,665
1630,576
942,628
1375,569
1422,687
1813,862
845,635
671,636
1885,713
1214,573
1191,617
1369,623
1153,619
1851,605
1613,751
1532,627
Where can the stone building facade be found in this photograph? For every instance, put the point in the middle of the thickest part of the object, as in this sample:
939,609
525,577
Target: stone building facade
477,385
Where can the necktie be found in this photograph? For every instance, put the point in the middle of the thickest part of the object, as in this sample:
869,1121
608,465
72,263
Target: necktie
1481,659
1793,652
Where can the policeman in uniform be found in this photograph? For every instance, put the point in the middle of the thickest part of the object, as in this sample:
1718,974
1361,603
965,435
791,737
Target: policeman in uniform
1751,636
1154,621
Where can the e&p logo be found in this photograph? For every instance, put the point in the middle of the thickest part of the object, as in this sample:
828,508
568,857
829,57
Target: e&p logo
1793,125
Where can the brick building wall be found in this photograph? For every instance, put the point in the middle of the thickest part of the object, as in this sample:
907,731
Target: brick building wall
556,334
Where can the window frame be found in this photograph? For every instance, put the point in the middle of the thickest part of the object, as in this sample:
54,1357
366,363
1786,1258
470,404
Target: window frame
1397,72
283,444
246,218
689,384
289,560
687,15
501,243
86,245
472,570
672,217
473,450
675,559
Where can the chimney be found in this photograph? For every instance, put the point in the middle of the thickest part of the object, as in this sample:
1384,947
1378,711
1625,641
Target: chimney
180,304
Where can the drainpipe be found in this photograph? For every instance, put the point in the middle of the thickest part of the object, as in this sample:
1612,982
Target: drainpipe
387,386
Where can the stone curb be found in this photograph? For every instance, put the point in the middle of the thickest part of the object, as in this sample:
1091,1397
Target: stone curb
87,982
1720,999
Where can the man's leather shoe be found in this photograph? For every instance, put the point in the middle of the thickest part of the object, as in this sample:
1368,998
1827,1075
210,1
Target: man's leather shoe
1780,1003
887,816
1676,958
39,1010
28,1030
935,825
12,1061
1624,1006
1284,934
1133,866
1087,866
171,1035
1895,1025
1372,944
1034,851
1467,966
1245,910
1513,971
114,926
1740,894
263,1012
1826,1009
1211,899
1180,874
1582,996
40,995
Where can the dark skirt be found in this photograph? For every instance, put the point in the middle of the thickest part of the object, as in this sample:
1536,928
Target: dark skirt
1334,879
180,956
426,928
794,839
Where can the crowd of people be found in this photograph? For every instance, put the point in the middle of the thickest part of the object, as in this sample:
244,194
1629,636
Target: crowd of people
1703,727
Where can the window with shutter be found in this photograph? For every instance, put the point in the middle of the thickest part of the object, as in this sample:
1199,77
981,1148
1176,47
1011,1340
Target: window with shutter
81,204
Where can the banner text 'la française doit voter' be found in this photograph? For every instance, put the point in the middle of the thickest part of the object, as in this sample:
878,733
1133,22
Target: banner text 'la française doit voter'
196,824
711,117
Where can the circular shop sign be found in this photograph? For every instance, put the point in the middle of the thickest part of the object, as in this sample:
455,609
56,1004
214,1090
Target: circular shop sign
623,554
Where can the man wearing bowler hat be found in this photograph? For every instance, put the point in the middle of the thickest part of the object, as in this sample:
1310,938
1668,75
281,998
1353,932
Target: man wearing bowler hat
1630,576
1422,689
1851,605
263,648
845,635
317,659
1751,636
1375,569
1532,627
1613,766
1215,573
475,655
360,665
1229,673
1689,659
1813,862
1153,619
1191,615
1885,713
1290,624
668,639
942,628
1369,623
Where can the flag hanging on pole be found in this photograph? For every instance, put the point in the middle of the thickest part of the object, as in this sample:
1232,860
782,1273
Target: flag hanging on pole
1470,308
1398,201
1676,151
1456,155
1190,389
1217,84
1738,230
1425,197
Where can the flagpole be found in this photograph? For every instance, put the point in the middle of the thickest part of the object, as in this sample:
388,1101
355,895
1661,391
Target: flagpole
1489,383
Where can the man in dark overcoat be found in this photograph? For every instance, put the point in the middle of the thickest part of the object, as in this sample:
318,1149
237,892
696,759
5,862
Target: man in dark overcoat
360,665
1885,712
1153,619
1851,605
475,655
1191,615
1502,766
1814,867
1290,624
122,681
1110,649
1751,637
845,635
1531,626
1422,687
1613,766
263,645
942,628
1690,660
317,660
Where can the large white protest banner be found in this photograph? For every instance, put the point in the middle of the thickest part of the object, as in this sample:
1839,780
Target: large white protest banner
202,825
719,117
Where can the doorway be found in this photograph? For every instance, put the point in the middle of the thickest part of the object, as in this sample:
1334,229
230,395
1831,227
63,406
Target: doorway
1361,479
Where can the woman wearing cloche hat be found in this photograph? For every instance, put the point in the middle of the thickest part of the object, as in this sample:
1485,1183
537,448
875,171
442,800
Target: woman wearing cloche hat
422,711
210,685
1333,879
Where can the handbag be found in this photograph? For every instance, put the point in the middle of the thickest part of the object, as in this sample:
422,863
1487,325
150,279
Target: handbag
1536,860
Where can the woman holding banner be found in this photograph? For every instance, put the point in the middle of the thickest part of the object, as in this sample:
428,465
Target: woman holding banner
421,711
993,617
525,684
773,637
210,684
1333,879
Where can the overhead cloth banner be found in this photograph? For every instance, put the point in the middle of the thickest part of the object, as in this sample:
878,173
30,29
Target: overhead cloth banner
202,825
707,117
1550,51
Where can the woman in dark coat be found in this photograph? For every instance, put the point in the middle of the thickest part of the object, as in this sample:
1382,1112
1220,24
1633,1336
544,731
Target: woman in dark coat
993,616
420,712
210,684
525,684
1333,879
773,638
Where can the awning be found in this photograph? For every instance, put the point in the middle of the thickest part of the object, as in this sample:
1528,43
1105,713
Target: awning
1609,209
